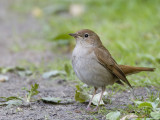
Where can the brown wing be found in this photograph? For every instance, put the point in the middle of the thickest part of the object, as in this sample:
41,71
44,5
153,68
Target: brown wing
106,60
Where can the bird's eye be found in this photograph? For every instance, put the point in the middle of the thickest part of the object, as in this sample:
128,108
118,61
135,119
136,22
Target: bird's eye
86,35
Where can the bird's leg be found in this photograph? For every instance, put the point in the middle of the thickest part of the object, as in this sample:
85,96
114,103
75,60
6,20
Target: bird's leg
103,89
88,107
132,94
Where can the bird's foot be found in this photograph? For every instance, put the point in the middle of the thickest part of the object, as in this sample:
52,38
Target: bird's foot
95,109
88,109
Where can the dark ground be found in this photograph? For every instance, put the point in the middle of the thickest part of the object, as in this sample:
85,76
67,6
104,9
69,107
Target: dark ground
13,28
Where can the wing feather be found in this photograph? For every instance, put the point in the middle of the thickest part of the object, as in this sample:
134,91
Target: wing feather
106,60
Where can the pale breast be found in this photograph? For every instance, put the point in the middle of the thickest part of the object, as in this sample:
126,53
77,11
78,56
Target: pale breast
88,70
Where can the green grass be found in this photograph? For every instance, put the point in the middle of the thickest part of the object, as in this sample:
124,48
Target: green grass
129,29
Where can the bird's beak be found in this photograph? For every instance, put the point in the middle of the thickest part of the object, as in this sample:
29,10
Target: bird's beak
73,35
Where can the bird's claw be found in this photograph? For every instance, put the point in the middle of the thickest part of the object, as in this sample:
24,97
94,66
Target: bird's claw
95,109
88,109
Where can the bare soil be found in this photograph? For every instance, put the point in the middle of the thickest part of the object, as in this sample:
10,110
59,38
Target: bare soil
13,28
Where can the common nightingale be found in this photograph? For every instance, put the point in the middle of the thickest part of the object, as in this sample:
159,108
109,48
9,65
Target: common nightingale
94,65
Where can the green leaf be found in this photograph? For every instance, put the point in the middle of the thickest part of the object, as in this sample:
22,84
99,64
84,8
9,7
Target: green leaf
24,73
155,103
143,119
10,98
137,102
11,69
62,39
7,69
67,70
63,36
18,68
113,115
32,92
9,101
13,102
52,99
155,115
145,104
56,100
53,73
80,95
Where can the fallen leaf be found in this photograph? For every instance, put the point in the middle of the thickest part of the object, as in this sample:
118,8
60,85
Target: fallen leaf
53,74
11,69
3,78
113,115
155,103
5,99
52,99
24,73
97,97
131,116
7,69
82,96
56,100
155,115
13,102
9,101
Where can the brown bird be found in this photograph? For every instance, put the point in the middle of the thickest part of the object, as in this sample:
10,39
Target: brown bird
94,65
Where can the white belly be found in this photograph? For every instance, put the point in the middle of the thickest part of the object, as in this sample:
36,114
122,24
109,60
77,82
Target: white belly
89,71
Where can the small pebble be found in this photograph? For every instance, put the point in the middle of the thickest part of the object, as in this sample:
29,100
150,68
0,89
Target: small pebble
3,78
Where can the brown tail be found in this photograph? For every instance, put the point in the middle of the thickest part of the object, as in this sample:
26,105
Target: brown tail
131,70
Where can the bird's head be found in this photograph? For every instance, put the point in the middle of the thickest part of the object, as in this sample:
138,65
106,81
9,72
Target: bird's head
87,37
